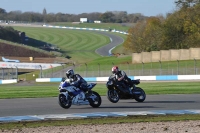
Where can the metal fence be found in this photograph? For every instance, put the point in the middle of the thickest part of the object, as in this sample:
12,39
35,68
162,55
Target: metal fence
85,70
148,69
8,73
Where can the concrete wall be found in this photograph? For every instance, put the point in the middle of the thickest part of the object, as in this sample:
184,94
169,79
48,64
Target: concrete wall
145,56
137,58
155,56
194,53
166,55
174,54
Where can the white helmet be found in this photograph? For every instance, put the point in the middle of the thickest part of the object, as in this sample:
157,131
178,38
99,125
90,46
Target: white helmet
70,73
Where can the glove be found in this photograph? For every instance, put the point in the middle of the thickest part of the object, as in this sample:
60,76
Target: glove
119,79
67,80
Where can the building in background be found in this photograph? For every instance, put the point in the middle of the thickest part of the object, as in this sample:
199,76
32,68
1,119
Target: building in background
83,20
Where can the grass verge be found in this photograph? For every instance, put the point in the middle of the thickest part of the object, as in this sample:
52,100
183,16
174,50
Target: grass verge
36,90
98,121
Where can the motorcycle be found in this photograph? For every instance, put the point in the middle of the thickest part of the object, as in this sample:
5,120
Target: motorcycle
70,94
117,91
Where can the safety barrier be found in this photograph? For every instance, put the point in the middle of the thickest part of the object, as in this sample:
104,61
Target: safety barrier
104,79
8,81
78,28
144,78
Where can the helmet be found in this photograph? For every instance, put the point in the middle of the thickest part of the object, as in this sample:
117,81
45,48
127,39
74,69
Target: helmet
115,69
70,73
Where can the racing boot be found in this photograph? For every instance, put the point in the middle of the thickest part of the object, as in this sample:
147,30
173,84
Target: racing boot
89,93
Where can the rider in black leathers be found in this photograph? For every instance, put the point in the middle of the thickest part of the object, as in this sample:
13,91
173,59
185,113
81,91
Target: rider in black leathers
122,78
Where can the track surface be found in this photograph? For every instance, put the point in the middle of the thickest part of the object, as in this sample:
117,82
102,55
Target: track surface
115,41
43,106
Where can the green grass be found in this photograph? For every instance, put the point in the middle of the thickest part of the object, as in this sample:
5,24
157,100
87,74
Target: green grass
51,89
78,44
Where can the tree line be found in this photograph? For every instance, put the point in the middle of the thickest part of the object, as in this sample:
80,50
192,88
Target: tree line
178,30
107,17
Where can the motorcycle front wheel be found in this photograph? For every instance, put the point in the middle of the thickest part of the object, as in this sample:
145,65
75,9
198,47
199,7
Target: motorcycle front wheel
112,96
63,102
139,94
94,99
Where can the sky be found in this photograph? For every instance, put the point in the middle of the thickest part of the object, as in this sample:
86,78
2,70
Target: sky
145,7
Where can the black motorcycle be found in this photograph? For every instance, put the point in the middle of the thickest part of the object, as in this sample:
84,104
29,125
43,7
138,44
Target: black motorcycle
118,91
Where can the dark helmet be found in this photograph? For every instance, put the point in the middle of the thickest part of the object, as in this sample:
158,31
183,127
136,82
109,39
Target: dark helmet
70,73
115,69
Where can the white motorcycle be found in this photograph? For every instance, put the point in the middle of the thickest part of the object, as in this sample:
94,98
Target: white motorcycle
70,94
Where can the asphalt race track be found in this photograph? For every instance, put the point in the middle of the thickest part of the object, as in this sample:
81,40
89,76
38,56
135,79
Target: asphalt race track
44,106
115,41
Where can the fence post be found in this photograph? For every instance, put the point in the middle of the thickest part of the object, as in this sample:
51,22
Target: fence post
128,69
2,73
85,70
62,70
195,66
160,67
40,71
16,73
12,73
178,67
99,69
142,68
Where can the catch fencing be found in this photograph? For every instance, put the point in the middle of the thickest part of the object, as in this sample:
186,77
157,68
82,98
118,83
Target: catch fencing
191,67
8,73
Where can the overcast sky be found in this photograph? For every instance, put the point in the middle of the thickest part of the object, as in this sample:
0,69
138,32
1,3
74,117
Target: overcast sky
145,7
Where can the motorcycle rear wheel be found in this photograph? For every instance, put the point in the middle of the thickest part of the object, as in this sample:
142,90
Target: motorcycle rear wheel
96,102
63,102
141,97
112,96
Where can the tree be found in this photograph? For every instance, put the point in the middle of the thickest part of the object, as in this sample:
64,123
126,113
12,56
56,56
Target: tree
135,41
145,36
182,28
44,13
153,33
2,11
186,3
107,17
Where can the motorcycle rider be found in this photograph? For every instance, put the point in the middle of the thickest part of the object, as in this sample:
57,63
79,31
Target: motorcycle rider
76,80
122,78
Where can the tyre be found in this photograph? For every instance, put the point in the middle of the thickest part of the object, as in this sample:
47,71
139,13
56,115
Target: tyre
94,99
140,95
63,102
112,96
